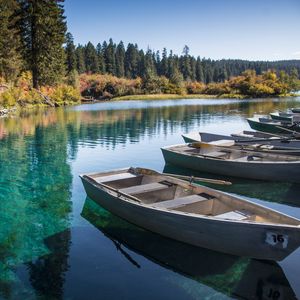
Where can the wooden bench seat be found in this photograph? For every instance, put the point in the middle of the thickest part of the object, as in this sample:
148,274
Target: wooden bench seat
234,215
222,142
113,177
178,202
217,154
144,188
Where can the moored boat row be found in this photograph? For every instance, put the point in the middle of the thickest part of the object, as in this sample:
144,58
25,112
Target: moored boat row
204,217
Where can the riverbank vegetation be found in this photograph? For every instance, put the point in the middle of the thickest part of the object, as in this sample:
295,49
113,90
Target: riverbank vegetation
247,85
41,65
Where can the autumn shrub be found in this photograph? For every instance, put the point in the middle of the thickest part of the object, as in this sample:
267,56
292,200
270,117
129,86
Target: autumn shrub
64,95
7,99
99,86
195,87
260,90
217,89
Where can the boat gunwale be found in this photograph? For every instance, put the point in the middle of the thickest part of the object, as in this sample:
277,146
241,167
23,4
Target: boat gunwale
135,201
204,156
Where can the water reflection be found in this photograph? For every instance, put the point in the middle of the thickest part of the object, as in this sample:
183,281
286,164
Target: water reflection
43,151
232,276
112,123
35,183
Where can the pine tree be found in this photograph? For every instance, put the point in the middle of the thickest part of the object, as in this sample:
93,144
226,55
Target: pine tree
80,59
185,64
164,63
193,68
91,58
149,69
101,62
109,57
199,70
70,53
10,58
132,61
120,60
43,30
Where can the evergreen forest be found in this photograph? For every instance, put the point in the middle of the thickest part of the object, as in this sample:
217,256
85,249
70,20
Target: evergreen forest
41,65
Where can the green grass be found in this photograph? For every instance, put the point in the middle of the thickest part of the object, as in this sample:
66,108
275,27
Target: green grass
164,97
176,96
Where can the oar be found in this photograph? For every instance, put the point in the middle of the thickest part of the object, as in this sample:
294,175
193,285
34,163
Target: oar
192,178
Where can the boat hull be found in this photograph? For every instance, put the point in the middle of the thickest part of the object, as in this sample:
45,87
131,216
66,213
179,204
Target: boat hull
252,170
271,127
250,240
279,117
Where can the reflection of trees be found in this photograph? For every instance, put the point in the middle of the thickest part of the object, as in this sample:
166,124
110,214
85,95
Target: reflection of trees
35,177
111,127
35,183
47,274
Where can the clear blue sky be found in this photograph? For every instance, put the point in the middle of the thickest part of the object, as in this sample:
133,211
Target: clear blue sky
247,29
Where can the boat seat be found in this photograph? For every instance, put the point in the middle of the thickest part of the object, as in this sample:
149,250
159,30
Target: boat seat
222,143
248,158
144,188
216,154
178,202
114,177
234,215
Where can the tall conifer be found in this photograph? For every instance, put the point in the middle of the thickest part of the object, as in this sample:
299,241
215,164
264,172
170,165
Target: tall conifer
80,59
70,53
43,30
120,60
10,58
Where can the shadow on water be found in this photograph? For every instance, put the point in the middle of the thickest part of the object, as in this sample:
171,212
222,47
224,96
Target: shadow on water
278,192
230,275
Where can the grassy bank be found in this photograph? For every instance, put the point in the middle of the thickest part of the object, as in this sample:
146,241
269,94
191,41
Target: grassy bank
176,96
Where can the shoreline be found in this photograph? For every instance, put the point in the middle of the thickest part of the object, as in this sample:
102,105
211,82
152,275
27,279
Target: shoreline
170,97
192,96
11,110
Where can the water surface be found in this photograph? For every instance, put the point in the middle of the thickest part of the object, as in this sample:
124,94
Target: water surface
55,243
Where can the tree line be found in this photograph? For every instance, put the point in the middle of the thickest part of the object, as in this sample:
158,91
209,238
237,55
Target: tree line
40,63
131,62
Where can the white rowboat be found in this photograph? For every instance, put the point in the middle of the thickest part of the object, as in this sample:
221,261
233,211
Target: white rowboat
194,214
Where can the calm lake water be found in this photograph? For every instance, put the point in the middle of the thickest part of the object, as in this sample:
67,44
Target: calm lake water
55,243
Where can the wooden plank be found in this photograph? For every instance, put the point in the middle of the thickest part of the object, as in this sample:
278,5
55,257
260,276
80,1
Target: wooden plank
222,143
114,177
217,154
143,188
177,202
232,215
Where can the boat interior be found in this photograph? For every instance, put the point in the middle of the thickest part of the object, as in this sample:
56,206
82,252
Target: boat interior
255,134
271,121
165,192
220,153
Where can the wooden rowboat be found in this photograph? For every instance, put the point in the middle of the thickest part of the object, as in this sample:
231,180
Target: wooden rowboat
194,214
275,145
231,162
273,126
287,117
